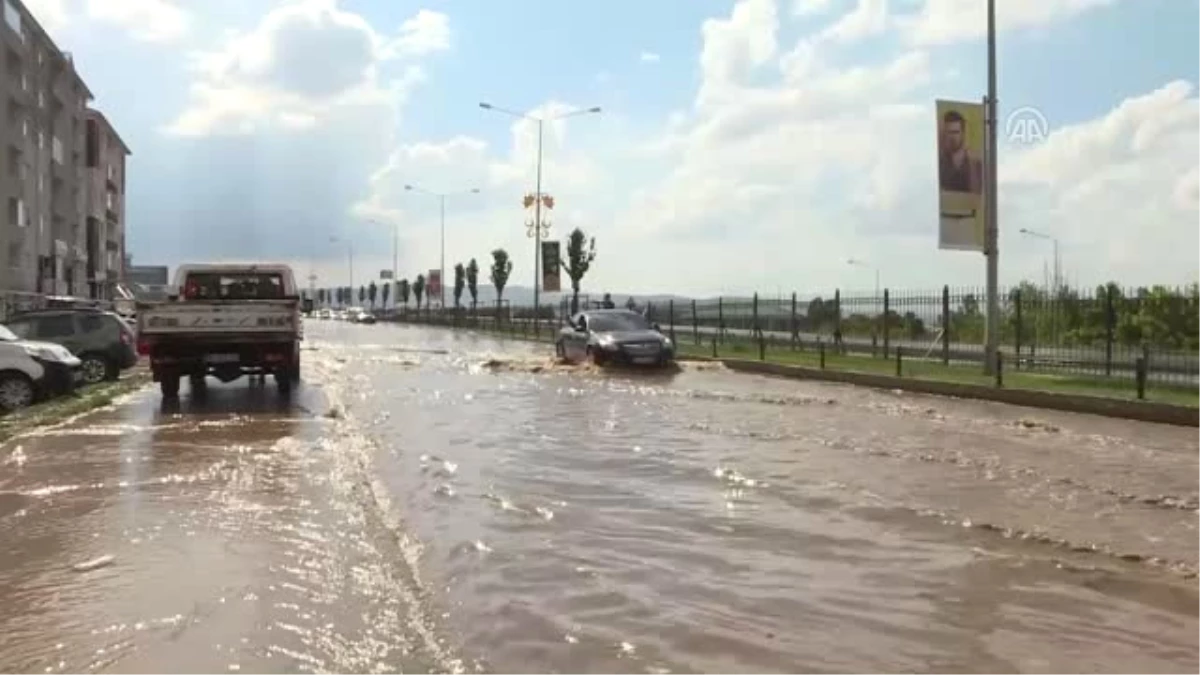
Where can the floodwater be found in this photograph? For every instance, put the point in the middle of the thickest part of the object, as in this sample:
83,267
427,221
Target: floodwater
439,501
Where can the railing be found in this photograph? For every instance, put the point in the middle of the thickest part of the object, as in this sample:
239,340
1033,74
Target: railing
1101,332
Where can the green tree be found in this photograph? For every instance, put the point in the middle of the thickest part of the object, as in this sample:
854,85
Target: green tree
821,314
460,282
362,294
418,290
385,292
581,251
403,289
473,281
501,268
372,292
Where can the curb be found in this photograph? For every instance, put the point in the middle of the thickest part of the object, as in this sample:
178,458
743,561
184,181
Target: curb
1141,411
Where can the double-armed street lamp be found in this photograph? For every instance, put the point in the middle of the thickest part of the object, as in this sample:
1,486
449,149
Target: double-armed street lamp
441,197
1057,261
537,226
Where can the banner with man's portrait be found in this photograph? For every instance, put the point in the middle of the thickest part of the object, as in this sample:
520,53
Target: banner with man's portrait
961,143
551,267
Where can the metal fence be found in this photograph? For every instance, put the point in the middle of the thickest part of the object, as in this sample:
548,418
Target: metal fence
1099,332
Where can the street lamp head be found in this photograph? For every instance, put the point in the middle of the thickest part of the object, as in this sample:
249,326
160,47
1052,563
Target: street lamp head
594,110
1024,230
485,106
475,191
409,187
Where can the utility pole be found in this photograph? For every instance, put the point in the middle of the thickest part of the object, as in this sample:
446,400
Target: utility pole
992,227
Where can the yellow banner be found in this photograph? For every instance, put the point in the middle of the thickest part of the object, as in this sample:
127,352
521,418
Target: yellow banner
961,181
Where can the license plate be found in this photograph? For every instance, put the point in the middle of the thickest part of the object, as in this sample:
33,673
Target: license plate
645,359
221,358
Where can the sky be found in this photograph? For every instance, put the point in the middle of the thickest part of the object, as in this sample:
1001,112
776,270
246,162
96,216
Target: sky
741,146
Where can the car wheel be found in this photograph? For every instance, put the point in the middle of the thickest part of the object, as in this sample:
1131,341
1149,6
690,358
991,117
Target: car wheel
198,383
595,356
16,391
94,368
559,351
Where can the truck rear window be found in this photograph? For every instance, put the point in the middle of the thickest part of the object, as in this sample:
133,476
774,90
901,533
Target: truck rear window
247,286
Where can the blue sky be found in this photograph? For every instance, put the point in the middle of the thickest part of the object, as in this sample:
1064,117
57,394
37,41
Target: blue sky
831,163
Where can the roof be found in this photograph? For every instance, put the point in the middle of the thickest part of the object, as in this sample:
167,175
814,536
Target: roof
92,113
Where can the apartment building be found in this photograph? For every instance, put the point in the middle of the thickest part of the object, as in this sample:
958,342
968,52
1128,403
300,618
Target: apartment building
50,184
104,160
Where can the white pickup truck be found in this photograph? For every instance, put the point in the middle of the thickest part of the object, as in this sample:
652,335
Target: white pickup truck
224,320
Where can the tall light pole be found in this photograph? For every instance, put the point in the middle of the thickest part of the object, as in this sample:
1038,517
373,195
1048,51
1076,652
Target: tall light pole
859,263
991,208
349,258
1057,260
441,197
537,209
395,247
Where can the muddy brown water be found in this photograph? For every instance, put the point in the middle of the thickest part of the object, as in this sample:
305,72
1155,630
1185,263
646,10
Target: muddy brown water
440,501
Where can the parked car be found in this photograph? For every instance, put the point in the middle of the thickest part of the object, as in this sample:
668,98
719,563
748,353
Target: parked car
363,316
102,340
614,336
30,370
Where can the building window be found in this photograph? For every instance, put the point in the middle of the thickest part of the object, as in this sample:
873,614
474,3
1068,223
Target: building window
56,149
41,140
111,201
16,211
41,99
12,17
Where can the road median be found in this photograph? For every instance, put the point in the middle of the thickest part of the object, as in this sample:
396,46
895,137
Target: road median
1144,411
84,399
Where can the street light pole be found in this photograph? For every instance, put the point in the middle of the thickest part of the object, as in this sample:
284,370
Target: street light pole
537,237
441,197
537,208
992,227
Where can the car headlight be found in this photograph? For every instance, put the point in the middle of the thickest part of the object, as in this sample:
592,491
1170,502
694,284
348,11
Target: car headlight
43,353
666,342
606,342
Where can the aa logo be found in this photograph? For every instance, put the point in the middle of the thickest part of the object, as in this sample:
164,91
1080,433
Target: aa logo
1026,125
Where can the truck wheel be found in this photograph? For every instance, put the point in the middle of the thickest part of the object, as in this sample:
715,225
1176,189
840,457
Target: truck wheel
294,371
169,384
198,383
283,381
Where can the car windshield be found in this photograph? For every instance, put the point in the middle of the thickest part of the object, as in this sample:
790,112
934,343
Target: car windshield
617,321
7,335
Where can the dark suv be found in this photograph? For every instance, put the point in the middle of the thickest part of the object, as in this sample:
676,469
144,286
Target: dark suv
102,341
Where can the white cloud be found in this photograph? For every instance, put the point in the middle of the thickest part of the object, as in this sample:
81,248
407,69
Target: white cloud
649,57
148,20
811,7
51,14
787,164
303,60
945,21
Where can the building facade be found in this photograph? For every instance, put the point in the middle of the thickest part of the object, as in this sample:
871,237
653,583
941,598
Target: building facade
47,183
104,160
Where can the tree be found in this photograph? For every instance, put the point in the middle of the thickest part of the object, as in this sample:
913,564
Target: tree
581,251
459,283
631,304
339,292
473,281
501,268
402,292
372,291
362,294
418,289
385,292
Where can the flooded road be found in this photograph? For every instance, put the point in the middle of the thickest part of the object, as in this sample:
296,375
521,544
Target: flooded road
440,501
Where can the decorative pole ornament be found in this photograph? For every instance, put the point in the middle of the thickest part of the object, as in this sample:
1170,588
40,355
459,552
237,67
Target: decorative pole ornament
531,225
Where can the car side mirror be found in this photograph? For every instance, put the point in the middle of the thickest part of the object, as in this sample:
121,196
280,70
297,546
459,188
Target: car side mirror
656,327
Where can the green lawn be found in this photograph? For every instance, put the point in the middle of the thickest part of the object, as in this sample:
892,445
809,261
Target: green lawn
1109,387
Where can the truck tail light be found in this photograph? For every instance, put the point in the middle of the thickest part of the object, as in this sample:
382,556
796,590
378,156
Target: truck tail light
143,347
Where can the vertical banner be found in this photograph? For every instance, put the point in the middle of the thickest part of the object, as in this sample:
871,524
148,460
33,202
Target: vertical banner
434,284
551,269
961,213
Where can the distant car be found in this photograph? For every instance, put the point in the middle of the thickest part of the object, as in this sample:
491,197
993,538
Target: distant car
606,336
103,341
364,316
